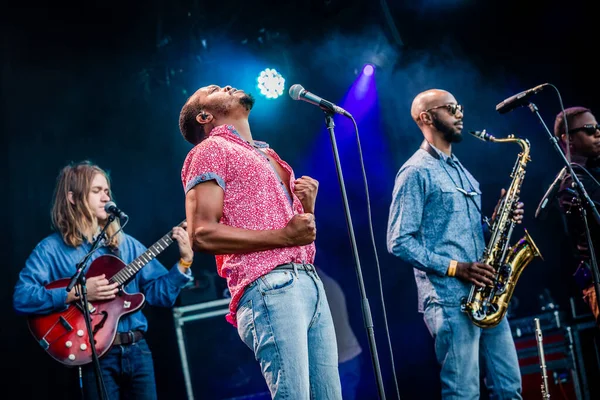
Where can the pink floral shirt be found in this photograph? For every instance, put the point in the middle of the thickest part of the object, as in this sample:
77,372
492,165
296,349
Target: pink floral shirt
254,198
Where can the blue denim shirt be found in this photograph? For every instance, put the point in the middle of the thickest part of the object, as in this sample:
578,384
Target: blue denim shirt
431,223
53,259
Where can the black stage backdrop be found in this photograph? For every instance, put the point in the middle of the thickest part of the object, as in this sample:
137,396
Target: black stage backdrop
105,81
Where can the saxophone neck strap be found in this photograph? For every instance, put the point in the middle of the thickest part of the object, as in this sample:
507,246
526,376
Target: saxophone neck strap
429,148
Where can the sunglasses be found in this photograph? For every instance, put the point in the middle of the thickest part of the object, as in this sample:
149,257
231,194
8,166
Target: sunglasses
452,108
589,129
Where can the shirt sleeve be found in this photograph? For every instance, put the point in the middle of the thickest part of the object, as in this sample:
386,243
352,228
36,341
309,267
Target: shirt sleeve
207,161
404,223
160,286
30,295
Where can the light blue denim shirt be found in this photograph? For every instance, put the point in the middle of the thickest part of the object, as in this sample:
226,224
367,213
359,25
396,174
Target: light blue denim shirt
432,222
52,259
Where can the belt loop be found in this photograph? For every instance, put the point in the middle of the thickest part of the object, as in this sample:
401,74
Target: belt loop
295,269
314,271
131,335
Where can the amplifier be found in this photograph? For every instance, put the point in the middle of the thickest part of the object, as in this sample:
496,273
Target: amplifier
549,321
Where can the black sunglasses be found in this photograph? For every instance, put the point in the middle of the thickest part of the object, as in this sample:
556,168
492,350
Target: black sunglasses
452,108
589,129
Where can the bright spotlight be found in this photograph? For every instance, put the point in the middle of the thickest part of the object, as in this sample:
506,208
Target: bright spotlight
271,83
368,70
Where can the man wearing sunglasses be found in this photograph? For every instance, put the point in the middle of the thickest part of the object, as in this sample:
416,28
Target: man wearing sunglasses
435,224
582,136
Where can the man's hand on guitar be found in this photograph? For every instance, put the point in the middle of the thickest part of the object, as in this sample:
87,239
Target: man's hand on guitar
98,288
183,241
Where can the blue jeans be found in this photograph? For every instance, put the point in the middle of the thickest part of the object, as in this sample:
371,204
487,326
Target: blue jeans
459,348
127,371
350,377
285,319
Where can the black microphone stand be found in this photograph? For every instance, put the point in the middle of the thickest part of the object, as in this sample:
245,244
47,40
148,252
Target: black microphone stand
365,302
587,201
79,279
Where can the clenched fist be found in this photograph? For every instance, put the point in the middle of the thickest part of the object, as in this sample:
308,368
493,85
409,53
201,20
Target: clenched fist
306,188
300,230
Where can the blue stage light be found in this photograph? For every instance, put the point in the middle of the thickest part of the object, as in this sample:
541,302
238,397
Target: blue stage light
271,83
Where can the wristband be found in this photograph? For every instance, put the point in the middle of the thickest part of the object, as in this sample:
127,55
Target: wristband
452,268
185,264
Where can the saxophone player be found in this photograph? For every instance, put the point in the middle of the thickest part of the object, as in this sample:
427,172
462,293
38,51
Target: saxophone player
435,224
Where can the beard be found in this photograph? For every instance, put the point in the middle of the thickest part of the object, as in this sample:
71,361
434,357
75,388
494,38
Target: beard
449,131
247,101
224,109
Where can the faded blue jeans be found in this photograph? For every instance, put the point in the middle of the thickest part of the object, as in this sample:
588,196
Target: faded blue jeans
285,319
460,346
128,373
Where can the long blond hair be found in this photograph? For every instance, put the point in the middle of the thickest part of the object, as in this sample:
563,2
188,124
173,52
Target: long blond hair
76,222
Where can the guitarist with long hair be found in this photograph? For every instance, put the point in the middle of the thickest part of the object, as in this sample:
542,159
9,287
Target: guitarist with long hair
78,215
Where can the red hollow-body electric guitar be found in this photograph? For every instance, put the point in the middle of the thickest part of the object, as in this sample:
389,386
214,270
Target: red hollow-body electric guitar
64,335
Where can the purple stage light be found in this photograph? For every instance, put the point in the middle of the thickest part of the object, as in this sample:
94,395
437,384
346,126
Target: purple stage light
368,70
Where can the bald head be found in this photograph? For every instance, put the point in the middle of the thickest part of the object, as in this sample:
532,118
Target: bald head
429,99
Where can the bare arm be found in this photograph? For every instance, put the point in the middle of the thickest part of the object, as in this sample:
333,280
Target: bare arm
204,209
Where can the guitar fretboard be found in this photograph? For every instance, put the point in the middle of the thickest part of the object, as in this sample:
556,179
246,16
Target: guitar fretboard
136,265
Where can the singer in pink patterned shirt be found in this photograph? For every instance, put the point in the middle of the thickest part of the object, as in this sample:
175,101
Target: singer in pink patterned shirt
244,172
244,205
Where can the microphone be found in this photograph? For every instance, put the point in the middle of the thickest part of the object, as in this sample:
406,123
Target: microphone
519,99
297,92
112,208
542,209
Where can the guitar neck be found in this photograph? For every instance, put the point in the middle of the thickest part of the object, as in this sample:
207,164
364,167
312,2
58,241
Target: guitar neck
136,265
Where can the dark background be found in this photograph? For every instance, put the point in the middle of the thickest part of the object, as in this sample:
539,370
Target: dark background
105,81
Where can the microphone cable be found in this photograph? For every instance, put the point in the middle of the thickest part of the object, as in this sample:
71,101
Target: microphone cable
564,113
584,169
370,223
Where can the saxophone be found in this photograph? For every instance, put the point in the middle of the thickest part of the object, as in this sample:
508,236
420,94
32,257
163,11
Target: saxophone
486,306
